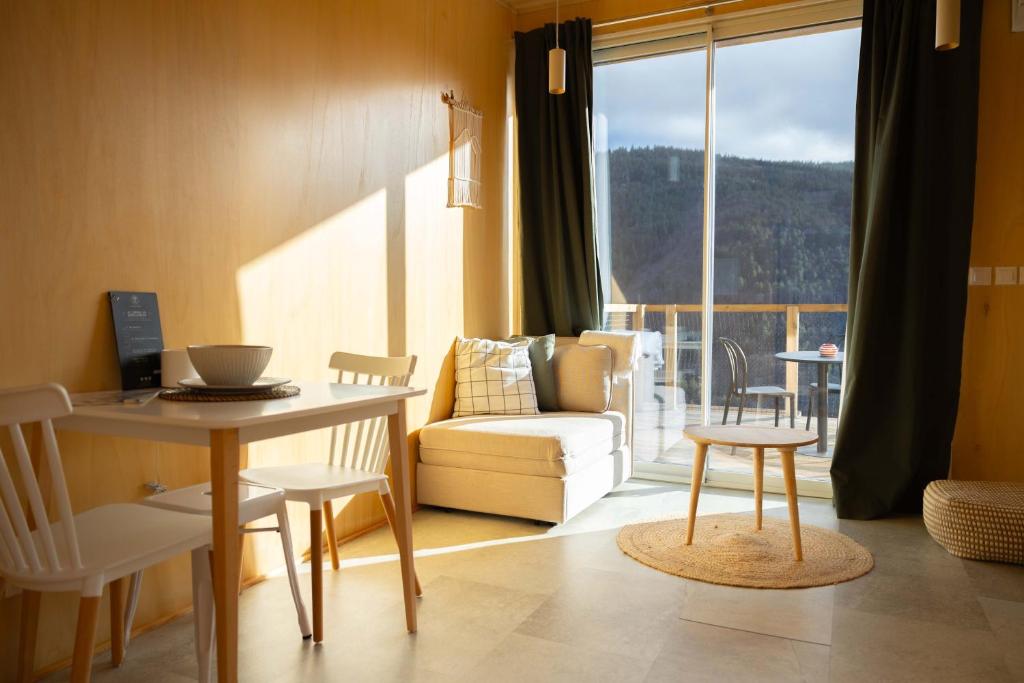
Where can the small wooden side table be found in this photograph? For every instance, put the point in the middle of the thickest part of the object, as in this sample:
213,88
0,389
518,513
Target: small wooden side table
758,438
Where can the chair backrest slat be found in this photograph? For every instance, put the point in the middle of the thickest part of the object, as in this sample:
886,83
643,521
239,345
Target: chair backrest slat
364,444
17,518
22,550
62,498
15,556
34,493
737,363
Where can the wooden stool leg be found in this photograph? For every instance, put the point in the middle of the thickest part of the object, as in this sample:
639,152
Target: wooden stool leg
29,629
696,477
332,538
85,639
117,594
789,474
758,485
317,570
389,511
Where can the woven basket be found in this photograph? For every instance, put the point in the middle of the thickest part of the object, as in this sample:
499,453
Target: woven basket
977,520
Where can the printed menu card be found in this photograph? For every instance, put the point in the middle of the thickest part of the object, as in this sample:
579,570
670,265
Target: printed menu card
139,338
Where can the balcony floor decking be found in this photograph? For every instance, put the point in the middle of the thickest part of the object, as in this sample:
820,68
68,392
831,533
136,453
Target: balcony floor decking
658,438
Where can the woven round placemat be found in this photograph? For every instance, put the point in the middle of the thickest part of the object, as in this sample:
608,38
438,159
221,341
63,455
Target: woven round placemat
196,397
727,550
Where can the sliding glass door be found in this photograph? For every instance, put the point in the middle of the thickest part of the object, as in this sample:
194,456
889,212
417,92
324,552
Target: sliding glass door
747,240
649,145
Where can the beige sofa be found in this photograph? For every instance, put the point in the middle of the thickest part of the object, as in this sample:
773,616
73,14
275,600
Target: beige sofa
547,467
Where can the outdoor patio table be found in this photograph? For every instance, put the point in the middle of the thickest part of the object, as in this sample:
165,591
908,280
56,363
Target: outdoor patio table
823,363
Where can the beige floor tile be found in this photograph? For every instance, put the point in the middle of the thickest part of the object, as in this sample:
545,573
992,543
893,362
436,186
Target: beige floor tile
700,652
875,647
943,601
600,609
800,614
525,658
814,660
996,579
1007,620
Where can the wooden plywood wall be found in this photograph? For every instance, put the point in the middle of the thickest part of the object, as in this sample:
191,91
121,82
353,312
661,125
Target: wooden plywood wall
989,441
275,171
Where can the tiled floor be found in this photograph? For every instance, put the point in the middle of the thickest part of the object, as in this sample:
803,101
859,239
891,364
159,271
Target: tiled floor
506,600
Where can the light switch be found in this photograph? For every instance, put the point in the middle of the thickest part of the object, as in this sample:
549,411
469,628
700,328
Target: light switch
1006,275
980,276
1017,15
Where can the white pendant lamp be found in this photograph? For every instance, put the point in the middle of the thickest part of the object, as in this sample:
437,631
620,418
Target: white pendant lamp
556,63
947,24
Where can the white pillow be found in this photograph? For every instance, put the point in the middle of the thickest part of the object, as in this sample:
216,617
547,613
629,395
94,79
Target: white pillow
493,378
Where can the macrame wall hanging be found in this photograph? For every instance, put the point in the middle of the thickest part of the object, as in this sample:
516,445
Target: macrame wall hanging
465,125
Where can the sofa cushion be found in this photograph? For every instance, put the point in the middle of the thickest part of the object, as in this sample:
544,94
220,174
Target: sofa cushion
583,377
494,378
550,444
542,352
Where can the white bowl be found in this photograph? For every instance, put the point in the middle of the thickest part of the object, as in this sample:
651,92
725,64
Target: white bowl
229,364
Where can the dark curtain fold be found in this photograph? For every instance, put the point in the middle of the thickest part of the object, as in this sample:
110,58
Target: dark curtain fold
913,199
561,286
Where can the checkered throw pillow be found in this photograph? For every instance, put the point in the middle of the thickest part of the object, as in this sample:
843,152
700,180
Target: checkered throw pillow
494,378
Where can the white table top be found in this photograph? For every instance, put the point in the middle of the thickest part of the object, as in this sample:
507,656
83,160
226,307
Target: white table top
809,357
319,404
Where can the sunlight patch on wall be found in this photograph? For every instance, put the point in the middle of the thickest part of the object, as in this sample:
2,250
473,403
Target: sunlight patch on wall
434,275
324,290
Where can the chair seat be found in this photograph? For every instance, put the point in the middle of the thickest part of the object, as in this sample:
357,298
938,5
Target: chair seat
118,540
833,387
768,391
315,482
254,502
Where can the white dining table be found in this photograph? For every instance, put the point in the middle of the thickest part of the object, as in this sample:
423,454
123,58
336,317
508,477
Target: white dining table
224,428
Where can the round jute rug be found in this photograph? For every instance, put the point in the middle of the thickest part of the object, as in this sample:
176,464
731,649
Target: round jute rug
727,550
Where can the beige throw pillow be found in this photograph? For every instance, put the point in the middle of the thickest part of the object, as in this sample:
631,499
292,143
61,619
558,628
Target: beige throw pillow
583,377
493,378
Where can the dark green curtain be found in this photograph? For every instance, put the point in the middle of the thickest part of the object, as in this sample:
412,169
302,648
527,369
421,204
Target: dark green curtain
913,199
561,286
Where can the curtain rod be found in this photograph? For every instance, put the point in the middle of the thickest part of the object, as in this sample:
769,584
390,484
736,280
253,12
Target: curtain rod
665,13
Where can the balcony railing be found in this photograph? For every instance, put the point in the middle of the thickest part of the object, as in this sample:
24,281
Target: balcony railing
638,312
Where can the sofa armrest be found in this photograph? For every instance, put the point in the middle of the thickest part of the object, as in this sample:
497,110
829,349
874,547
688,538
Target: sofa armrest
625,346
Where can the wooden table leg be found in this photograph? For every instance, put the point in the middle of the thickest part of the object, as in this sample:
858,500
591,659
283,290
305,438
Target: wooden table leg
29,630
117,594
398,441
758,485
388,503
695,480
224,464
789,475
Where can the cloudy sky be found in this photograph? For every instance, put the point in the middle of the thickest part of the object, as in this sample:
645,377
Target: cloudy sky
786,99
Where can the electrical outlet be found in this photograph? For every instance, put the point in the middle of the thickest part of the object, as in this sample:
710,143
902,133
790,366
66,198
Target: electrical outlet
979,276
1006,275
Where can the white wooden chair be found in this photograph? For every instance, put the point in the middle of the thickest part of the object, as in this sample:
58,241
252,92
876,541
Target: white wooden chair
83,552
356,463
254,502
